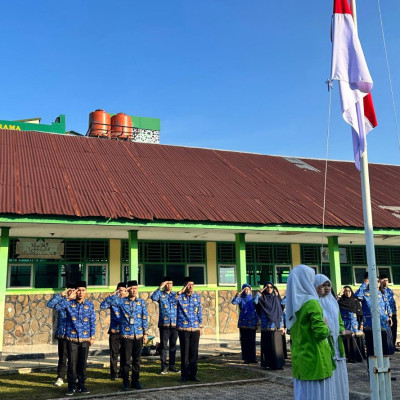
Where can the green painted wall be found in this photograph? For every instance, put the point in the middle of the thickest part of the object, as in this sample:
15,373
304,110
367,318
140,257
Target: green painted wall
54,127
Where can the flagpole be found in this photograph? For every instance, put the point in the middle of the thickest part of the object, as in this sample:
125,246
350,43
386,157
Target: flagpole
379,380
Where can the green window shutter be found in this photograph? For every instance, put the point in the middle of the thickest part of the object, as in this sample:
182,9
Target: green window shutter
282,254
195,253
382,255
310,255
153,252
264,253
97,250
74,250
226,253
175,252
395,255
358,255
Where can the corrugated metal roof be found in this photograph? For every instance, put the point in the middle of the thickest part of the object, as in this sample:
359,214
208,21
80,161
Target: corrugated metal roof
58,175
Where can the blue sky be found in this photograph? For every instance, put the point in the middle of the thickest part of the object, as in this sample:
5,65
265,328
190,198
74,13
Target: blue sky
228,74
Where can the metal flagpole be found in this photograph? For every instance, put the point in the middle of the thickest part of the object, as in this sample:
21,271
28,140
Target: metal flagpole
379,368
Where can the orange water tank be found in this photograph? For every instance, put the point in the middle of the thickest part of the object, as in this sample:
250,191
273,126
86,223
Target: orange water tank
99,123
121,126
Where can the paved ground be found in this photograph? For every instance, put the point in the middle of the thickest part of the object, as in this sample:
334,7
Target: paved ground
226,350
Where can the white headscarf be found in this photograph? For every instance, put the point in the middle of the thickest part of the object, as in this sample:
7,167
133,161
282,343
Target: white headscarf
300,289
330,306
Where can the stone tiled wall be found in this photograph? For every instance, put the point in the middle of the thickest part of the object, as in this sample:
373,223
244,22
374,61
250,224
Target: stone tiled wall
28,320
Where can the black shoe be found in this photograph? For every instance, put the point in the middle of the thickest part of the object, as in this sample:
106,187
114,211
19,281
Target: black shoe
84,390
393,378
253,362
136,385
194,379
183,380
125,386
70,392
164,371
396,349
173,369
113,377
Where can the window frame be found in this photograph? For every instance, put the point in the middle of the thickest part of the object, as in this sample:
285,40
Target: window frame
204,272
31,265
365,268
390,272
99,264
234,269
276,274
140,267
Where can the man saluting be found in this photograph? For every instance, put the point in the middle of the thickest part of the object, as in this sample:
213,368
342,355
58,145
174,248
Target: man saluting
79,332
133,329
167,301
189,325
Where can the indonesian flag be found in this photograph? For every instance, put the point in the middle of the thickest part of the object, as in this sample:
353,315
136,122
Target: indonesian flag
355,83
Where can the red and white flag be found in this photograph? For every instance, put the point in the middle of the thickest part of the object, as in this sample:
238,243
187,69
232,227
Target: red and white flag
355,83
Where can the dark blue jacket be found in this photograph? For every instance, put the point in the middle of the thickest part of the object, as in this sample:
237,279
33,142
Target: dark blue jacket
168,307
115,315
189,312
61,315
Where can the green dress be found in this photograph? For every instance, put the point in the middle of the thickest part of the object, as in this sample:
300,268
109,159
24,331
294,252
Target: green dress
311,353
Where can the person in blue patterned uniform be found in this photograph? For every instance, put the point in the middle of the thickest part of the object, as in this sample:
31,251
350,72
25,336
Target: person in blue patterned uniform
269,308
247,324
385,314
364,285
166,299
133,328
56,303
189,325
392,303
351,313
284,344
114,338
79,331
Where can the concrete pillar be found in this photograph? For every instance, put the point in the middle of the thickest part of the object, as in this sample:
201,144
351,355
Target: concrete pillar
133,255
240,248
296,255
334,263
115,262
4,243
212,269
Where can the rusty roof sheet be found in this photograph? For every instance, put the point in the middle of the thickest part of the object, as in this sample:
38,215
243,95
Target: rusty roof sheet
45,174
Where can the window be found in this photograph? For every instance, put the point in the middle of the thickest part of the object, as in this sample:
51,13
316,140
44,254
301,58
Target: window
314,267
282,273
197,272
359,274
226,274
125,277
46,275
345,272
153,274
20,275
176,272
264,274
70,273
387,271
97,274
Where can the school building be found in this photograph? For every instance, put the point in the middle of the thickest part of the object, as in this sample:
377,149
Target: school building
79,207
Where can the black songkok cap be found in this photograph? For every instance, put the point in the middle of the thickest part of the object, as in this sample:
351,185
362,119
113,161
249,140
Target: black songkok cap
71,285
79,284
365,275
188,279
167,278
121,284
132,283
383,276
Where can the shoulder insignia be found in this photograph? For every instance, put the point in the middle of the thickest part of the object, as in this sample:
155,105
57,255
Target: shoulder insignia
127,328
85,332
85,319
86,307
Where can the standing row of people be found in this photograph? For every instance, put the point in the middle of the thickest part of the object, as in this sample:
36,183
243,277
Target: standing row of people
180,315
266,307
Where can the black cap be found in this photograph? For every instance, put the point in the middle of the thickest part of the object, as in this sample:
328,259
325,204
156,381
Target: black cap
166,278
365,275
121,284
71,285
383,276
188,279
132,283
79,284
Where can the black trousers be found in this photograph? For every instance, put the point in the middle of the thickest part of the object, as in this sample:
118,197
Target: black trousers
168,335
114,341
77,359
62,358
272,350
131,350
354,348
248,344
394,328
387,345
189,343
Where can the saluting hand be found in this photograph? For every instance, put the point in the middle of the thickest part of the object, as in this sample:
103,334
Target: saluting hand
145,339
162,284
183,289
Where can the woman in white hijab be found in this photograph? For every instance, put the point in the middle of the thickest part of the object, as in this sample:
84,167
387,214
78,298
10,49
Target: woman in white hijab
332,315
312,362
